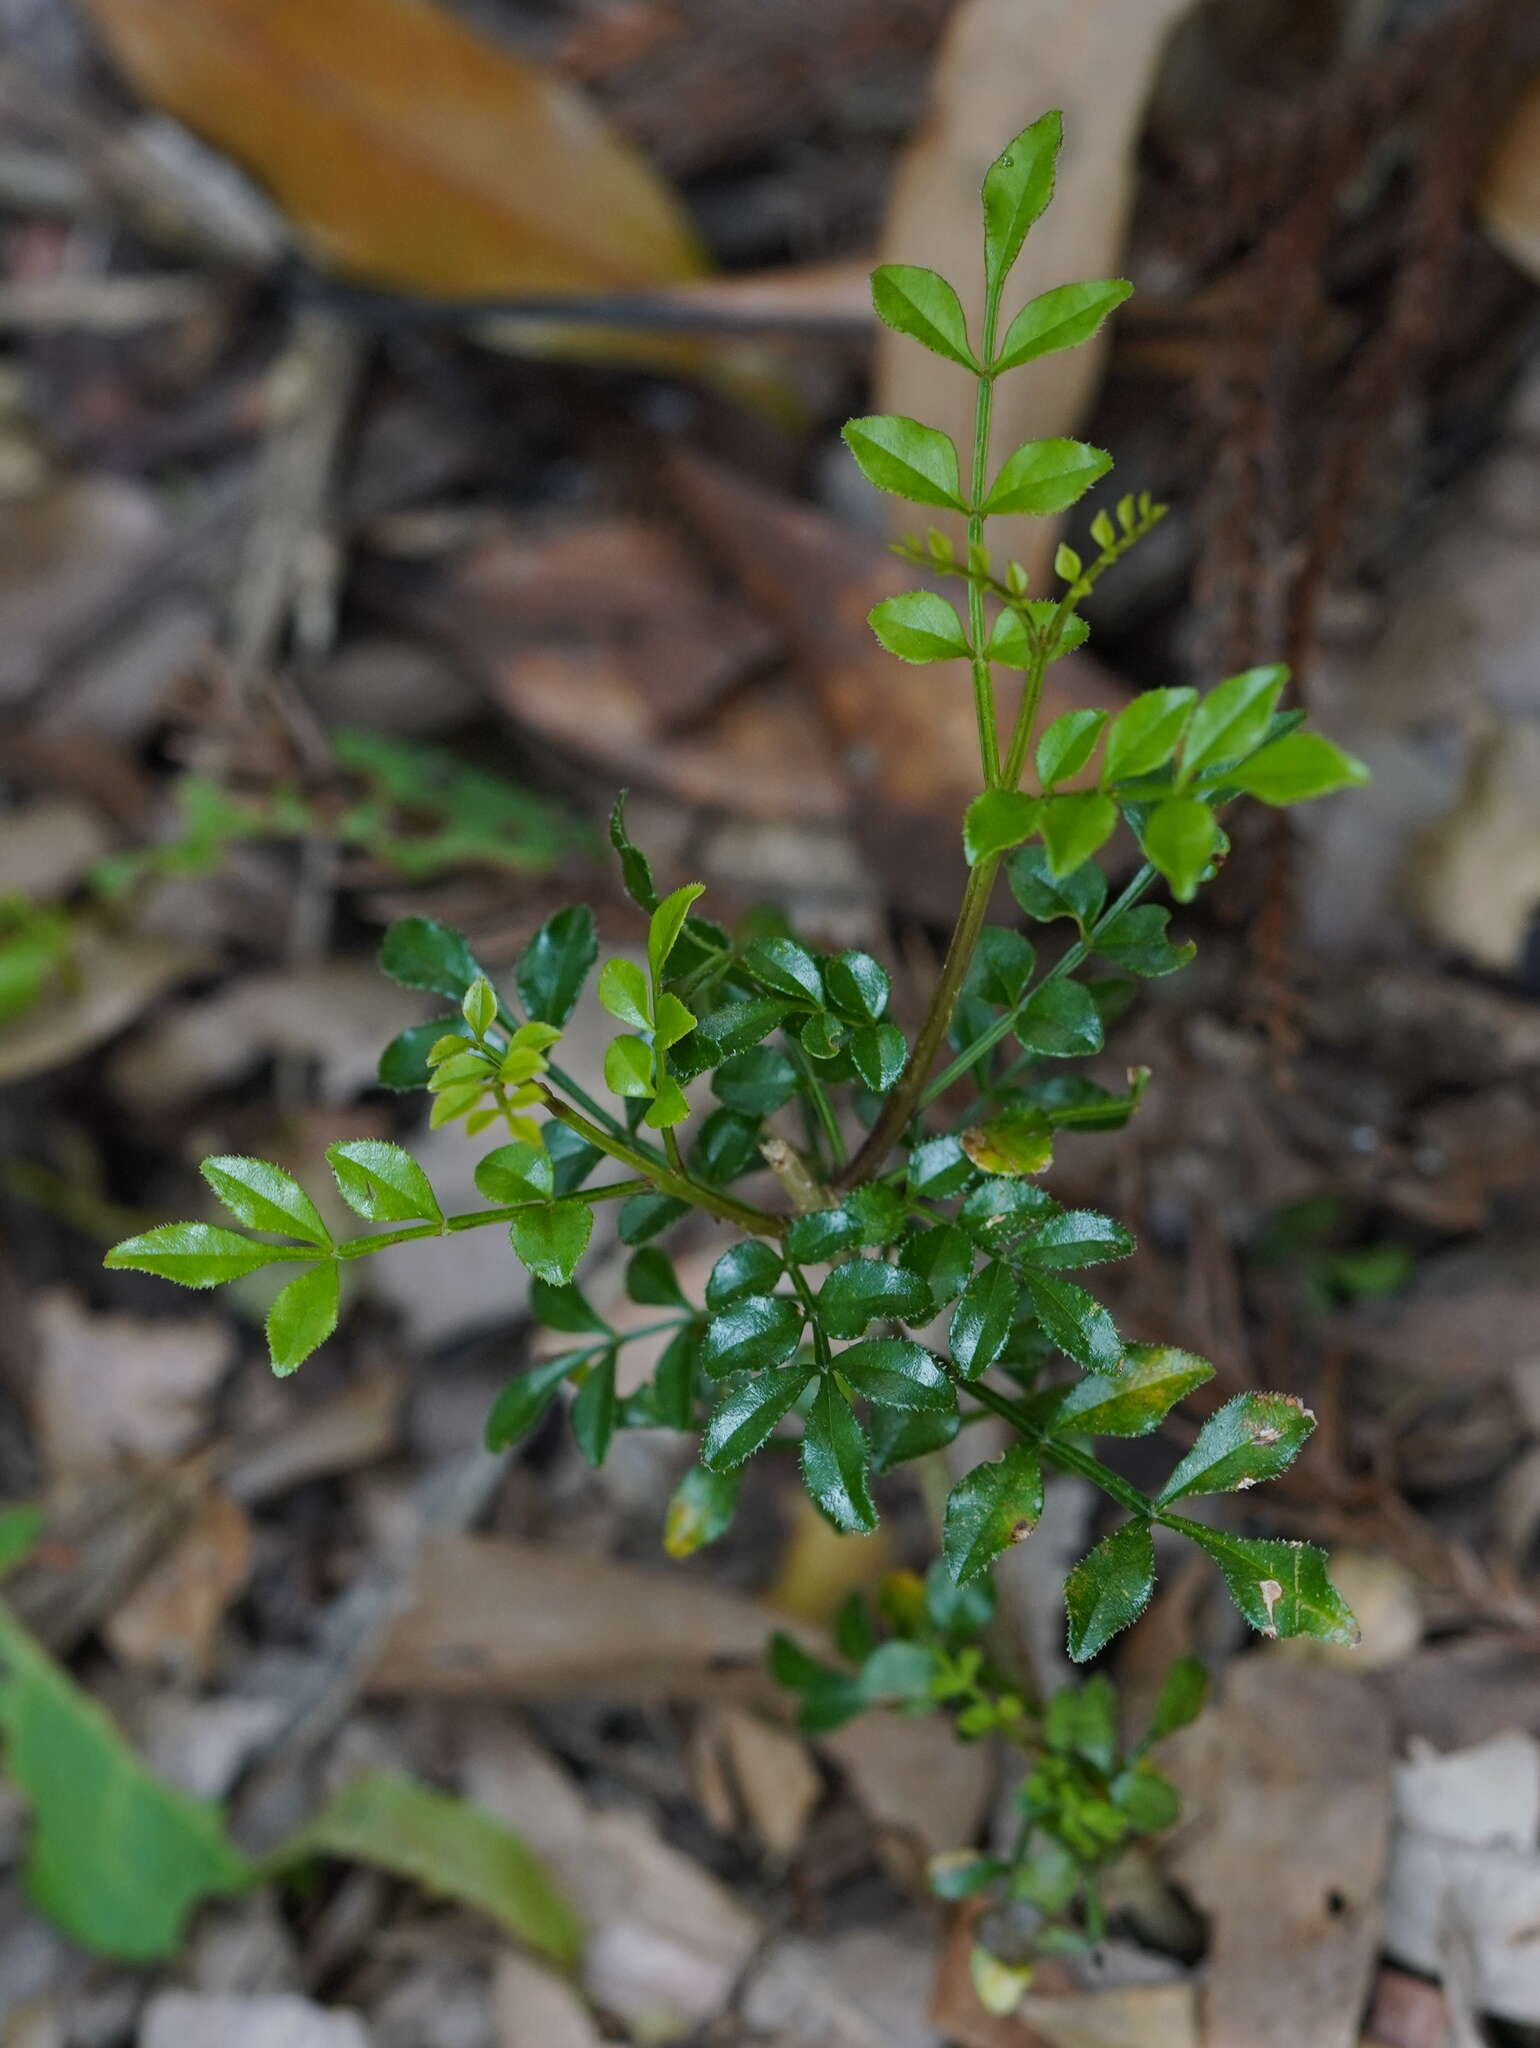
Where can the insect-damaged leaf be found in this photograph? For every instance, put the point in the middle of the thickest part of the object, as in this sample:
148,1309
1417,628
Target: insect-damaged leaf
991,1508
1281,1588
1253,1437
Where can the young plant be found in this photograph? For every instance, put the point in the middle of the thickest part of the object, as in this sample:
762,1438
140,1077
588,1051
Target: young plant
889,1217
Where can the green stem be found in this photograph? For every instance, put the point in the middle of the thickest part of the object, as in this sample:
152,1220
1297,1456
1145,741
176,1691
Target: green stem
823,1109
757,1222
983,682
477,1219
1066,1456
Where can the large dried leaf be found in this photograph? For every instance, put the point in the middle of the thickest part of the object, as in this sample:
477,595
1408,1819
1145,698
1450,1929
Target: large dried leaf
410,151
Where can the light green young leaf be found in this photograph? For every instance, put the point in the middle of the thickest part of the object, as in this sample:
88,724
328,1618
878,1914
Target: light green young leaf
921,304
1251,1438
1059,1021
897,1373
421,953
1076,827
517,1173
998,820
479,1006
991,1508
836,1460
1296,768
1017,1141
1154,1378
856,1294
524,1399
555,964
628,1067
265,1198
382,1183
673,1021
908,459
1179,837
624,993
1061,318
1147,733
666,925
449,1847
1075,1321
669,1106
1044,477
1017,187
1109,1589
1067,745
550,1240
919,626
982,1320
1281,1588
1008,642
758,1330
195,1254
1232,719
701,1510
303,1316
746,1415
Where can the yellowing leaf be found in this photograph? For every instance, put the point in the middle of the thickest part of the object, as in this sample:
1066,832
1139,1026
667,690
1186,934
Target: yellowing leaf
409,151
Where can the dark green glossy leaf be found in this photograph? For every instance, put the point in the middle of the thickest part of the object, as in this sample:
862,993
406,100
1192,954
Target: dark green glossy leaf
822,1037
991,1508
1109,1589
1000,1210
726,1146
820,1235
551,1239
998,820
652,1281
747,1413
1057,319
1154,1378
572,1157
1251,1438
593,1411
919,626
1002,966
555,964
943,1258
701,1510
879,1052
524,1400
1044,477
673,1384
899,1435
751,1266
1045,896
564,1308
265,1198
1136,941
730,1030
645,1216
857,1294
303,1316
1232,719
195,1254
835,1461
983,1319
898,1373
909,460
1075,1322
1281,1588
517,1173
421,953
858,986
1059,1020
756,1083
786,967
635,870
404,1062
758,1331
1017,187
939,1167
921,304
1075,1237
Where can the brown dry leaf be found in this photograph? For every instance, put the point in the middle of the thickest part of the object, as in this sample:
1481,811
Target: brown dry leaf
170,1620
67,557
46,848
524,1621
1286,1796
1002,64
534,2008
357,1427
115,1389
1509,206
923,1791
186,2019
1476,874
769,1769
117,979
409,150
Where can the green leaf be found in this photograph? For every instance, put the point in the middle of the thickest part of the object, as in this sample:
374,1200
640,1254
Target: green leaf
727,1145
1181,1699
1059,1021
747,1412
1179,837
1232,719
652,1282
1017,1141
667,923
195,1254
701,1510
983,1318
1075,1322
899,1435
593,1412
1109,1589
629,1067
1002,966
1043,895
1017,187
1062,318
899,1674
517,1173
565,1308
673,1383
303,1316
750,1267
856,1295
635,871
524,1399
1067,745
756,1083
921,304
939,1167
1000,1209
1136,941
555,964
998,820
404,1062
1076,1237
1010,645
421,953
758,1331
624,993
908,459
896,1372
646,1216
919,626
991,1508
879,1053
116,1858
786,967
265,1198
858,986
1148,1798
550,1240
1154,1378
1082,1721
823,1037
733,1029
835,1460
1076,827
943,1258
479,1008
1296,768
672,1022
1044,477
382,1183
1251,1438
449,1847
1281,1588
1147,733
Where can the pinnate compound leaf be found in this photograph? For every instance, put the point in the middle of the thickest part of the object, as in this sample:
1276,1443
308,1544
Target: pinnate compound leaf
550,1240
1061,318
898,1373
909,460
195,1254
1154,1378
1296,768
1017,187
1067,744
449,1847
1232,719
1075,1321
1044,477
998,820
747,1412
1180,837
555,964
1059,1021
666,925
1147,733
701,1510
919,626
1281,1588
303,1316
991,1508
1017,1141
981,1323
381,1183
856,1295
921,304
525,1398
835,1462
419,952
757,1331
1252,1437
265,1198
1109,1589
